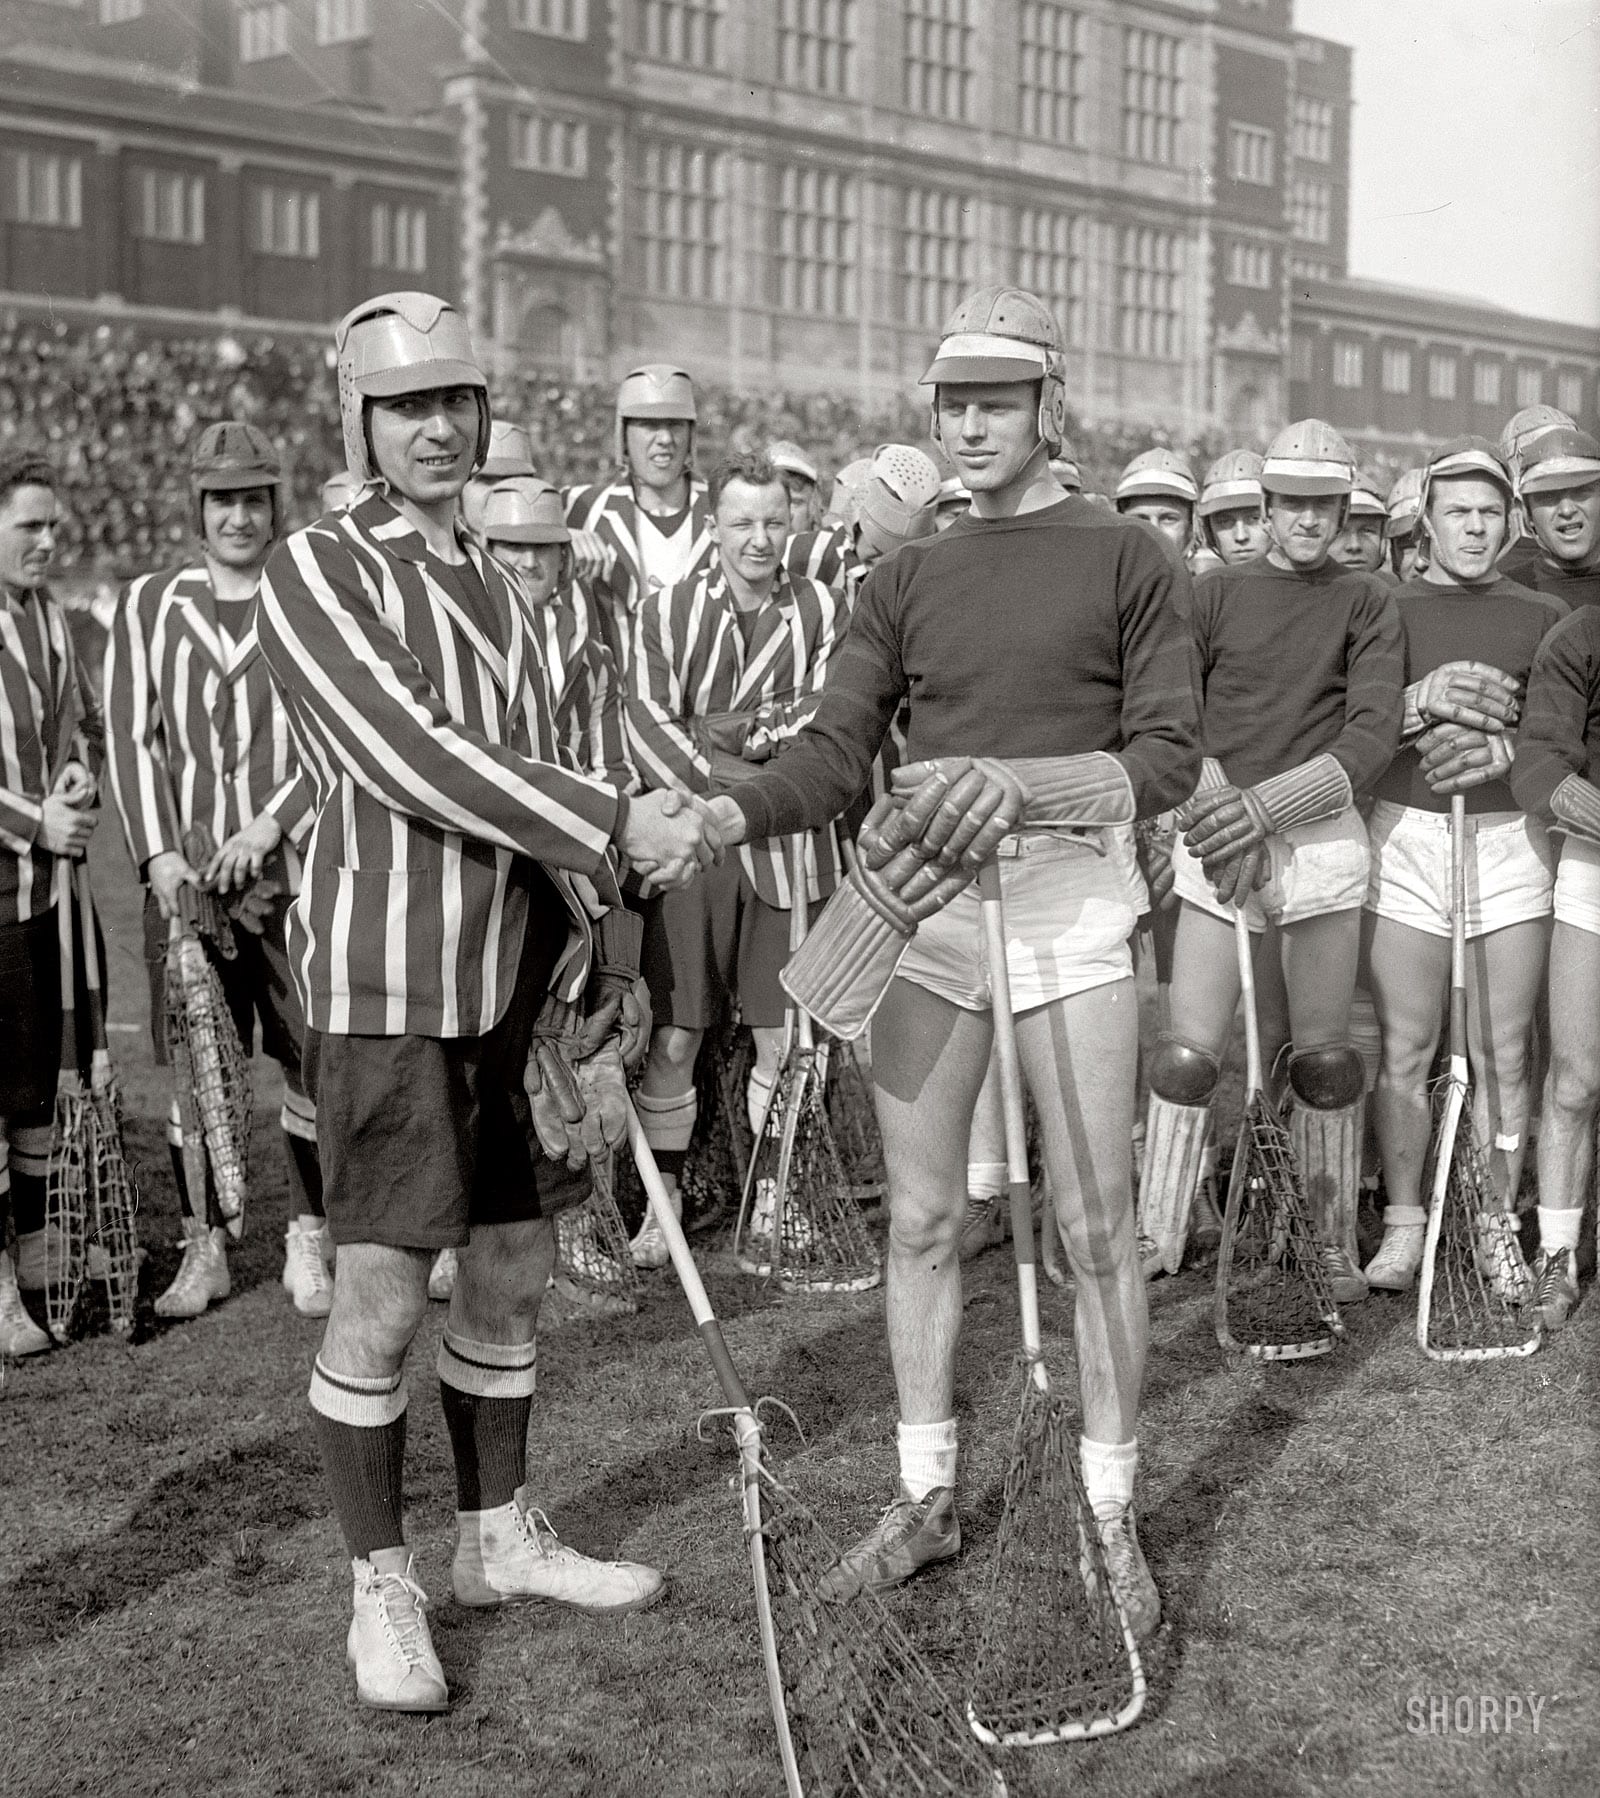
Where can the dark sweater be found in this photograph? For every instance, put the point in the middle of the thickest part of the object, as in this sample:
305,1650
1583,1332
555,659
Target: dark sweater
1578,587
1560,730
1295,665
1501,624
1064,631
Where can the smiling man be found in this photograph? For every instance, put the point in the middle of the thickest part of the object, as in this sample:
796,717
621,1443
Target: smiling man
199,742
1037,626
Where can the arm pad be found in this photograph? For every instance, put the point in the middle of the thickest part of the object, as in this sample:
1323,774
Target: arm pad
618,940
1316,789
1076,791
1575,806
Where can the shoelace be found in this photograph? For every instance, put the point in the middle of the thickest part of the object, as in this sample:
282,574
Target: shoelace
1554,1277
406,1634
307,1255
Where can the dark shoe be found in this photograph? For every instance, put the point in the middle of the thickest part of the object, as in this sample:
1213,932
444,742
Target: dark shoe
910,1535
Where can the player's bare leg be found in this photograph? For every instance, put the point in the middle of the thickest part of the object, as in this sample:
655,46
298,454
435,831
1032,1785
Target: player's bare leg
667,1110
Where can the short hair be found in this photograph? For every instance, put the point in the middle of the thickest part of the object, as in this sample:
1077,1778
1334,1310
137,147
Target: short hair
751,467
27,467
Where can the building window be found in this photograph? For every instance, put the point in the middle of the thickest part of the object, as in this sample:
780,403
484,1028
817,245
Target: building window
1569,393
1053,42
1152,95
286,221
1250,154
1150,294
814,241
119,12
1309,268
1250,265
687,31
1300,358
172,208
816,41
680,220
935,255
1486,383
1053,262
938,58
400,237
1347,365
1441,377
550,143
1530,387
1395,371
47,189
263,32
1311,211
1313,129
342,21
552,18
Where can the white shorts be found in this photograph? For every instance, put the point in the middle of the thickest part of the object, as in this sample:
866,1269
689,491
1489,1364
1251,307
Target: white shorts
1071,902
1313,869
1510,869
1577,898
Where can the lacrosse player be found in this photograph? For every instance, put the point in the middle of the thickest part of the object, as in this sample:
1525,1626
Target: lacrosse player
1360,545
1301,663
1037,626
1470,637
457,876
1233,525
199,741
1523,552
1158,486
801,481
50,752
1558,482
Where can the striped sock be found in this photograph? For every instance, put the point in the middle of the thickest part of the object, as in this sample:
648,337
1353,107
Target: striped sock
361,1433
486,1390
668,1124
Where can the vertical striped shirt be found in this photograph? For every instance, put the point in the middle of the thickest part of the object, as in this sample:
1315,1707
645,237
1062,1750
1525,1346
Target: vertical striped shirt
584,687
427,737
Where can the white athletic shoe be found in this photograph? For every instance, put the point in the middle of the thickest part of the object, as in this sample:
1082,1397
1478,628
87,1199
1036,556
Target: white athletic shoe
1345,1278
1394,1266
984,1226
305,1275
37,1251
511,1555
1152,1264
202,1276
649,1248
442,1276
389,1645
19,1334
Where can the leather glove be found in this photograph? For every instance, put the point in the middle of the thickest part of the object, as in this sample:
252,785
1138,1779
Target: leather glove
1475,694
903,886
1222,820
1235,875
1456,758
982,802
552,1085
1153,844
252,906
613,995
603,1087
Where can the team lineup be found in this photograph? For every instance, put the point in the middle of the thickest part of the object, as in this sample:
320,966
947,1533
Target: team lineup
492,804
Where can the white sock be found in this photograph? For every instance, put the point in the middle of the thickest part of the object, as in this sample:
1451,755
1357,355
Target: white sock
1108,1470
1408,1217
1559,1229
667,1122
758,1090
927,1456
986,1179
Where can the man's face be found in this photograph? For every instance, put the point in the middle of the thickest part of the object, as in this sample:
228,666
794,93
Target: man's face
1304,525
1171,517
1467,525
1360,544
423,443
27,536
990,432
1567,524
802,500
751,528
657,450
237,526
1240,533
539,564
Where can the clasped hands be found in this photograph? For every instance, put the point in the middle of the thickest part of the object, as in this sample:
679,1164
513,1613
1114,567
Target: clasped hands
69,814
1466,710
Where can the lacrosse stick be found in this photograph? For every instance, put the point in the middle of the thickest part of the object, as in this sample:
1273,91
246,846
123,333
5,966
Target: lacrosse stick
856,1708
210,1072
1272,1299
806,1226
1474,1280
66,1207
114,1194
1057,1661
849,1100
593,1267
719,1153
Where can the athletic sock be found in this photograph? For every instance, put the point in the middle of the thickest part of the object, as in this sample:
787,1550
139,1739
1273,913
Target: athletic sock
927,1456
1108,1470
986,1179
30,1175
758,1095
668,1124
361,1434
1559,1229
305,1170
486,1389
1410,1217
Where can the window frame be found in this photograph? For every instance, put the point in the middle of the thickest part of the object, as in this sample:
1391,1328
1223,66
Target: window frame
1348,370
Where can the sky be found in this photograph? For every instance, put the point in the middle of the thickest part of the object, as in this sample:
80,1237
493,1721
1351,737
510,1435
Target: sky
1475,163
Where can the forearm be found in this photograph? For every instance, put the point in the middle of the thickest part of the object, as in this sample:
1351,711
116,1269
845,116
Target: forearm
20,818
290,805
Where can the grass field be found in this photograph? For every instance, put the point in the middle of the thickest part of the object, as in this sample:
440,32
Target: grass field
1334,1543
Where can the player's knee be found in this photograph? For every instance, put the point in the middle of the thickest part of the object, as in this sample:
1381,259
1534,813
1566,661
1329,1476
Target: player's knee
671,1046
1327,1077
1182,1073
1573,1084
926,1228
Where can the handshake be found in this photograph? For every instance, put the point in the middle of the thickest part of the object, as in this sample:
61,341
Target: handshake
673,836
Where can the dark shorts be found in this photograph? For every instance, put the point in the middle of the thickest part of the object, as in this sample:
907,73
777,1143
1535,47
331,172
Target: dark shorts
715,938
256,983
423,1137
30,1016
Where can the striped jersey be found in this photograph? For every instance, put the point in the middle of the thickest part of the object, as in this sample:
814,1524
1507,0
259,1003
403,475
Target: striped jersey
418,701
612,513
691,661
826,554
198,734
584,687
48,717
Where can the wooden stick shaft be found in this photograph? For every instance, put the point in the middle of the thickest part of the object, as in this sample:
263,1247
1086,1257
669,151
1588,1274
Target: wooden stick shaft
797,932
1247,986
1458,936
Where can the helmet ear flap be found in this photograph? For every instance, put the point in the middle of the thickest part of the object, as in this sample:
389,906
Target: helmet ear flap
1053,410
933,420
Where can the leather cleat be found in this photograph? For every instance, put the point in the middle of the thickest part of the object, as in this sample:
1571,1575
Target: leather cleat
910,1535
442,1275
202,1277
389,1645
1555,1287
512,1556
984,1226
1394,1267
1129,1573
305,1273
1345,1279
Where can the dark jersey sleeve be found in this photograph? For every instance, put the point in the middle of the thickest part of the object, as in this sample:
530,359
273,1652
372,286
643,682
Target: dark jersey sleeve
1375,688
1160,688
1554,738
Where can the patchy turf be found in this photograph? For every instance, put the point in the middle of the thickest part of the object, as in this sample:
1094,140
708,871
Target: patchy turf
1332,1542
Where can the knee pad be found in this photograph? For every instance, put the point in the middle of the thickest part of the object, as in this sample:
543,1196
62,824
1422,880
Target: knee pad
1182,1074
1327,1077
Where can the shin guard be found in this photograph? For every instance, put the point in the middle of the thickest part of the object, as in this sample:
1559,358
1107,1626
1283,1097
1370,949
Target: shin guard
1174,1146
1327,1145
